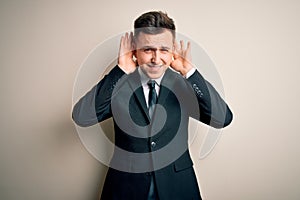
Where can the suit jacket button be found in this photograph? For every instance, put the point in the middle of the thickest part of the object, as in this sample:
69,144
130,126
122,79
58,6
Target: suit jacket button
153,144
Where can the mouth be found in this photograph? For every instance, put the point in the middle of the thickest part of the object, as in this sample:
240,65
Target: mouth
154,66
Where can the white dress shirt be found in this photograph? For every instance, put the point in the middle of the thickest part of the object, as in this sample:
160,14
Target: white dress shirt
146,89
145,79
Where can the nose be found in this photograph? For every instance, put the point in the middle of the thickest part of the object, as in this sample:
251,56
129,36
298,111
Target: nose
155,57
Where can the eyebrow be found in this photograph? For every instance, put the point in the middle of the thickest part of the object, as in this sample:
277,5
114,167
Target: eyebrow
151,47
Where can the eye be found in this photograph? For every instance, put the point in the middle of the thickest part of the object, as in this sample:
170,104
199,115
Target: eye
163,50
147,50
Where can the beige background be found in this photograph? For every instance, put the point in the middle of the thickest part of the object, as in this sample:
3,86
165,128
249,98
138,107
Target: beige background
254,44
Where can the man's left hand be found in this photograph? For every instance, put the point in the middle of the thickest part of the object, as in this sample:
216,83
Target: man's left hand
182,62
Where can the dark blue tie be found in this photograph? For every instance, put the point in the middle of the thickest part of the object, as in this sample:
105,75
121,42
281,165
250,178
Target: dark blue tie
152,99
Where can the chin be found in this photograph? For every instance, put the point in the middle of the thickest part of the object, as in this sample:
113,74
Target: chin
153,73
154,76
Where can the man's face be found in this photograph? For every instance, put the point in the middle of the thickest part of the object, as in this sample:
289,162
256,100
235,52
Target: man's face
154,52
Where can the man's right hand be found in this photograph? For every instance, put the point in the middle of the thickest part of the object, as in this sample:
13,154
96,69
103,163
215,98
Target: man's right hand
125,60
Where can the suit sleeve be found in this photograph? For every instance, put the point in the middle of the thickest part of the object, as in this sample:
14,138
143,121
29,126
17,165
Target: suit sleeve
213,109
94,106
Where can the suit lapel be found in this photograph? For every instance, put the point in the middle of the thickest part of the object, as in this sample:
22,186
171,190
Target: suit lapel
136,86
165,86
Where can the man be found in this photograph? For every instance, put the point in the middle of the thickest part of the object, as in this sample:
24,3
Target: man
150,95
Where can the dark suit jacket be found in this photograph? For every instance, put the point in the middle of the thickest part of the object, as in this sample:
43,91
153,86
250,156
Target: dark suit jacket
161,142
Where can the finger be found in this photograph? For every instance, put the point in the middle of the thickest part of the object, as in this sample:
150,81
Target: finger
188,48
126,41
175,44
121,40
176,49
188,45
132,45
181,45
129,40
121,44
188,54
131,35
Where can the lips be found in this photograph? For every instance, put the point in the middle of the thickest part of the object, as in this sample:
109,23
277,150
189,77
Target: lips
154,66
153,71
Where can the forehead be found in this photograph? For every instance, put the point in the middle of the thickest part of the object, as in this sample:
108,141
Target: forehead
155,40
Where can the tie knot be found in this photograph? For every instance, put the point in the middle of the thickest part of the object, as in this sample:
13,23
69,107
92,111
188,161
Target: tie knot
151,84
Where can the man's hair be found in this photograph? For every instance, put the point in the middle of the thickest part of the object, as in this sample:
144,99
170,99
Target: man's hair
154,22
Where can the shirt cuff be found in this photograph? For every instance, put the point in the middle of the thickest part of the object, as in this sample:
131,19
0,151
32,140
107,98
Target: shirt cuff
190,73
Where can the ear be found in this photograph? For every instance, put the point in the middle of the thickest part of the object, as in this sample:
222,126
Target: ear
134,55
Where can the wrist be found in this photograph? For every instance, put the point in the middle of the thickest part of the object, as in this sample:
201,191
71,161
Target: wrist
127,70
185,70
